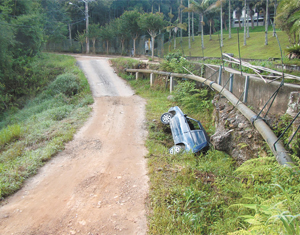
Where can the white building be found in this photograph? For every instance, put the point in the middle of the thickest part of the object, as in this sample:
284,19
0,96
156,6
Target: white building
235,21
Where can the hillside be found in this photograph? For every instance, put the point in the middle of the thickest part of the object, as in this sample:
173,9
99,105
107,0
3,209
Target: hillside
255,48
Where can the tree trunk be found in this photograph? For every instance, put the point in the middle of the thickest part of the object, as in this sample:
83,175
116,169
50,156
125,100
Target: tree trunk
266,22
221,11
189,27
202,34
70,35
122,43
240,26
274,19
229,24
252,23
152,38
181,23
210,30
107,44
245,43
94,42
193,26
248,36
174,40
134,46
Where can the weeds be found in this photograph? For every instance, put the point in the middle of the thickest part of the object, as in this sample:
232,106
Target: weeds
209,193
32,135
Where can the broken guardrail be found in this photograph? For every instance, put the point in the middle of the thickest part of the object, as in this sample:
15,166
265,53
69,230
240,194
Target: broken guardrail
277,147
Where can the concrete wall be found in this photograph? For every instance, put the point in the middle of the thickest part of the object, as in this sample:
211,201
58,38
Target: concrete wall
259,92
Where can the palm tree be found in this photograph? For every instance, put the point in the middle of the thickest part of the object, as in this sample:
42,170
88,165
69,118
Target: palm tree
175,26
266,22
275,10
288,18
245,23
251,13
229,10
219,3
238,14
200,8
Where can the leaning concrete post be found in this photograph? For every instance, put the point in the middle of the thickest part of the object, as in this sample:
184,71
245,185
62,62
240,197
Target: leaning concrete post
246,89
231,82
171,84
137,76
151,79
220,75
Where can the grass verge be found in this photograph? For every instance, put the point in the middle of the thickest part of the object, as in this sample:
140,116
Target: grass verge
255,47
209,193
30,136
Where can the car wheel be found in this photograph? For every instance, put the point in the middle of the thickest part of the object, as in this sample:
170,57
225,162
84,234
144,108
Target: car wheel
175,149
165,118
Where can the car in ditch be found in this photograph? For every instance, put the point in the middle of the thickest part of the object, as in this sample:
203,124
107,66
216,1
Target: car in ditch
188,133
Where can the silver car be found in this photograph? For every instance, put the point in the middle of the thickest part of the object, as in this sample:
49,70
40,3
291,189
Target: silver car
188,133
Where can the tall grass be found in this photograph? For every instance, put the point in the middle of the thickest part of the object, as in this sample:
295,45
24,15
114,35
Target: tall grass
8,134
33,134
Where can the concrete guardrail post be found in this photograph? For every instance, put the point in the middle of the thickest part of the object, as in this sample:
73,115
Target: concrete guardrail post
171,84
246,89
137,76
231,82
220,75
151,79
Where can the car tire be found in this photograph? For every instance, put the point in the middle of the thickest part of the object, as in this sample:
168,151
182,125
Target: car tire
176,149
165,118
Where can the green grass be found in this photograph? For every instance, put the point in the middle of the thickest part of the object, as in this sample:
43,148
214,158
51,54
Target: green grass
209,193
255,48
30,136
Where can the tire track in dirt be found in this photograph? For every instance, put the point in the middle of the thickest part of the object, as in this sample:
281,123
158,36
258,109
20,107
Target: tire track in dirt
98,184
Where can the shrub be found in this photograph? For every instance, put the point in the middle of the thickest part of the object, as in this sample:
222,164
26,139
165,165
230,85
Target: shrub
176,63
67,84
9,133
293,51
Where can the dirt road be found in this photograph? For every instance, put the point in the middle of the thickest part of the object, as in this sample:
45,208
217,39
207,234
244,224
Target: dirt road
98,184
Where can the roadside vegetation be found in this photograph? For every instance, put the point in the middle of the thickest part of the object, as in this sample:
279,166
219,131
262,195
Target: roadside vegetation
37,125
210,193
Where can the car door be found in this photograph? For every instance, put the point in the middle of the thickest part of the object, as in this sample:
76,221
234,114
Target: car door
197,133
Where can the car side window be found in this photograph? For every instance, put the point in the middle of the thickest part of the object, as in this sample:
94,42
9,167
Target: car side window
193,124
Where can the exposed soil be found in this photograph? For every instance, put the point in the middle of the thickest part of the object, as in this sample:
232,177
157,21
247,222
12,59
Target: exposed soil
99,183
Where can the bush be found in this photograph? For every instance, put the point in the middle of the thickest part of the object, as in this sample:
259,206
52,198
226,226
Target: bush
293,51
67,84
176,63
175,55
9,133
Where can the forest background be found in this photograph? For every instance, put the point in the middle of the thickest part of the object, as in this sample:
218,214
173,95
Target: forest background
27,26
